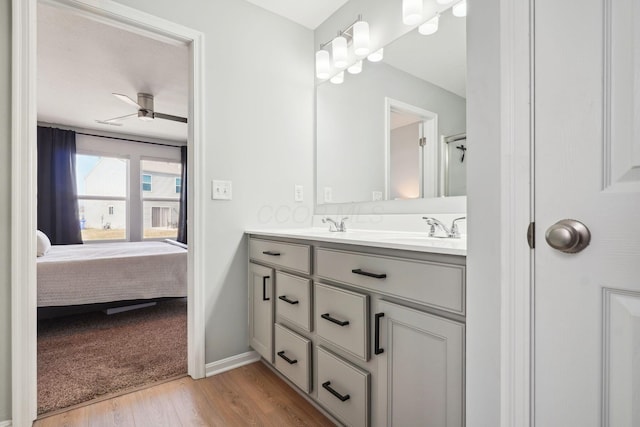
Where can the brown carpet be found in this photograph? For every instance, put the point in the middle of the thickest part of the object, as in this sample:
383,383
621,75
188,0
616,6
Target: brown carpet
84,356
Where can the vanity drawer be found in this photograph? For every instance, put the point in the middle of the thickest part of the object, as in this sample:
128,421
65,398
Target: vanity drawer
343,389
435,284
341,317
288,255
293,301
293,357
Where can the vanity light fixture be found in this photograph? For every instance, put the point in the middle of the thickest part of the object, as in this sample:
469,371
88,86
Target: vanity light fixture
338,78
361,38
376,56
411,12
323,64
460,9
429,27
355,68
339,51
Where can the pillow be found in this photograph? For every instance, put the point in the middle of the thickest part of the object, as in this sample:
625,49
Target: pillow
43,243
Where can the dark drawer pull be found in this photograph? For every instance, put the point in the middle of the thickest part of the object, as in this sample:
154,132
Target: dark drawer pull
264,288
366,273
327,386
272,253
376,335
328,317
291,362
285,299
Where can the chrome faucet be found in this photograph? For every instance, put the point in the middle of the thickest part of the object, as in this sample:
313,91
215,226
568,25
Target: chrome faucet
452,233
335,225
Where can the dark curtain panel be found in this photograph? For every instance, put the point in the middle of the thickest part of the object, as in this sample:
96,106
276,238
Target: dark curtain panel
57,192
182,218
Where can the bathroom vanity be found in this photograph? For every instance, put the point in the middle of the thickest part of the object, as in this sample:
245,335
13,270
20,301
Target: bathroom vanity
369,325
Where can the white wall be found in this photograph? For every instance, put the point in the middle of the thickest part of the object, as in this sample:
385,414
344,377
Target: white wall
5,210
484,216
259,94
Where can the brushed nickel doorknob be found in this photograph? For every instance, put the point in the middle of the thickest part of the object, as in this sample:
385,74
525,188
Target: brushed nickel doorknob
568,235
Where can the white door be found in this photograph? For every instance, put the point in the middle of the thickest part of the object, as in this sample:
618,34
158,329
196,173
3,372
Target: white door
587,157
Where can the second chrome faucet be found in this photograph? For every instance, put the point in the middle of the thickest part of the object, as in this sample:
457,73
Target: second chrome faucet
434,224
336,225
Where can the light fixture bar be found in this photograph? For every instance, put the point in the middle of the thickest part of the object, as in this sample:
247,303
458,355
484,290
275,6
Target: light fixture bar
347,33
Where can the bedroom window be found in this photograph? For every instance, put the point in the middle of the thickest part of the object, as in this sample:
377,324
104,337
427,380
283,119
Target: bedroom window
146,182
102,196
161,207
178,185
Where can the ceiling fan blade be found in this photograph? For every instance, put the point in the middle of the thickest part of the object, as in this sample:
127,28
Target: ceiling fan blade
126,99
170,117
102,122
115,119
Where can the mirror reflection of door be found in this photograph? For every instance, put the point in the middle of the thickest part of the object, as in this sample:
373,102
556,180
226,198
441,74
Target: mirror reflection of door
412,165
455,165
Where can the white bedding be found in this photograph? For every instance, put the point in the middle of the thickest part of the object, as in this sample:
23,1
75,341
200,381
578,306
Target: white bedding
105,272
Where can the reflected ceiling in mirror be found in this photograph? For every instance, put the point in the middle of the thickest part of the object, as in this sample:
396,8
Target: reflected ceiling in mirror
422,77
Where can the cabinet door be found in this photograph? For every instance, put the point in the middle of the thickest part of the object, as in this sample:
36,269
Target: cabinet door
261,310
420,370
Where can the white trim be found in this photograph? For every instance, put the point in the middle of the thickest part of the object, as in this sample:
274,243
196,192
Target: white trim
516,207
224,365
23,187
5,423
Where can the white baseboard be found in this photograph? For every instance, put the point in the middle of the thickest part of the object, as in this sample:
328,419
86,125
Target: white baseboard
5,423
229,363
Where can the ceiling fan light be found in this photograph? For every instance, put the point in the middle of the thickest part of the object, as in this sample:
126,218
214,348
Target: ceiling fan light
355,68
376,56
339,49
429,27
411,12
322,64
338,78
460,9
145,115
361,38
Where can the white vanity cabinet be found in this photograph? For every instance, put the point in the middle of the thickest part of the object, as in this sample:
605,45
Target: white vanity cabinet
373,335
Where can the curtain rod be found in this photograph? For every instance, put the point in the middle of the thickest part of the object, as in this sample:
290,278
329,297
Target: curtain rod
80,132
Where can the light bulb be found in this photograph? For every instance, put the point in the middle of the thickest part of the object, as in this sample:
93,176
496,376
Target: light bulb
355,68
460,9
376,56
361,38
339,48
322,64
338,78
411,11
443,1
429,27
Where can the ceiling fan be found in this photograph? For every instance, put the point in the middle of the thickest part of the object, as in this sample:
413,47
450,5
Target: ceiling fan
145,110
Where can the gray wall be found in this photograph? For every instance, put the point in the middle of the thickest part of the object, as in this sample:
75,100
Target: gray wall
350,128
259,94
5,209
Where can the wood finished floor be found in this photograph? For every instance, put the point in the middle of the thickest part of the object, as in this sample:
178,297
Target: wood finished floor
248,396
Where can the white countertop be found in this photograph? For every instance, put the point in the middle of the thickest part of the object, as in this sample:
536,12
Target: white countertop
404,240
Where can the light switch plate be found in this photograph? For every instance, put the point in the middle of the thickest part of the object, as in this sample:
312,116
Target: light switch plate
298,193
221,190
377,195
328,194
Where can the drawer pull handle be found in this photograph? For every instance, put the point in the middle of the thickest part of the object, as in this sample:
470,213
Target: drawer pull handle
289,361
376,338
327,386
264,288
328,317
272,253
285,299
366,273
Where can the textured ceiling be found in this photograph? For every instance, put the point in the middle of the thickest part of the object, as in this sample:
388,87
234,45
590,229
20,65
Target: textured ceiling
82,61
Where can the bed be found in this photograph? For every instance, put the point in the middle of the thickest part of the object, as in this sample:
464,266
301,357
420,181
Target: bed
72,275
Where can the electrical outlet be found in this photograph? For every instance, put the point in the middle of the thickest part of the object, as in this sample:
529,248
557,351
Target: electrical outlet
328,194
221,190
377,196
298,193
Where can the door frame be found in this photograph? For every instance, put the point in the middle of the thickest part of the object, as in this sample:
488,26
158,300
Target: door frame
24,179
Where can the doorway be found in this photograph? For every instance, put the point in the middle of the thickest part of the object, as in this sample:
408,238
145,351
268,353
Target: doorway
23,186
